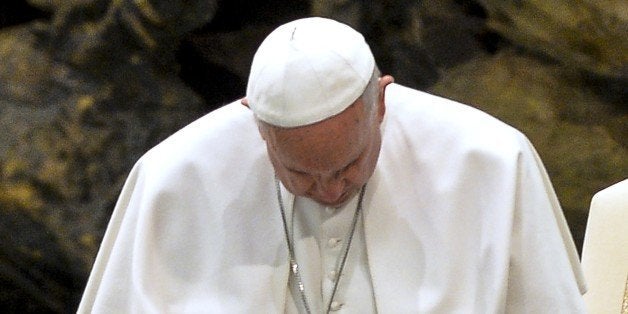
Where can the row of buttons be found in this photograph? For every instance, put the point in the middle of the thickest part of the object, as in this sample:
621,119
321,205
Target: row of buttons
333,243
335,306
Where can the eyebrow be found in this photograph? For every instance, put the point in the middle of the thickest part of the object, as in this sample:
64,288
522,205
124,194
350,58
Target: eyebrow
340,170
353,161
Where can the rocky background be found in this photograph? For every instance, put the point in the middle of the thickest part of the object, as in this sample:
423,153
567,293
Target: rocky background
87,86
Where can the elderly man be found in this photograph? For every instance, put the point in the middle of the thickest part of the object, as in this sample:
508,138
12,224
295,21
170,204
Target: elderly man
328,188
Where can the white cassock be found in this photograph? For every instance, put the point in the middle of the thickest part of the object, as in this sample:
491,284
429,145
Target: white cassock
458,217
605,251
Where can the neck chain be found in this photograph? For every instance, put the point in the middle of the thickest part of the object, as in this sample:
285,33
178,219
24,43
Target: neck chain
294,267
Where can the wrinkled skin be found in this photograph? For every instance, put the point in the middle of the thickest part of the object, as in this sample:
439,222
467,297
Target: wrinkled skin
331,160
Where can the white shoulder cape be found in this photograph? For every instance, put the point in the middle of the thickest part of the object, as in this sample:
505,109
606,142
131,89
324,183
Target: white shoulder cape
460,216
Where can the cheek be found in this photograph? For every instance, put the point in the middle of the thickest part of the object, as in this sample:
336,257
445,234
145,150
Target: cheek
296,184
363,171
355,174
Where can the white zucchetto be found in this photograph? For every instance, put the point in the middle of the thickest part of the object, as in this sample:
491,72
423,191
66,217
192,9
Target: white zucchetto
307,71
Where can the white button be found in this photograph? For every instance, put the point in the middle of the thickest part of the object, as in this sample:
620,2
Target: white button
335,306
330,210
333,242
332,275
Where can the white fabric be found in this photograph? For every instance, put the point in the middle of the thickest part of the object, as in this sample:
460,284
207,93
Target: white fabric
605,250
308,70
321,234
459,217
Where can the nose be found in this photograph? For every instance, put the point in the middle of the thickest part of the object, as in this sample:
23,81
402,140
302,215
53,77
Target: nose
330,189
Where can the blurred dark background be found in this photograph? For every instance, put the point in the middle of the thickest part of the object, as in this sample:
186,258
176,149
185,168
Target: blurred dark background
87,86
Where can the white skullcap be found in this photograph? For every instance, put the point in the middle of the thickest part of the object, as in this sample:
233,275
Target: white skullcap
308,70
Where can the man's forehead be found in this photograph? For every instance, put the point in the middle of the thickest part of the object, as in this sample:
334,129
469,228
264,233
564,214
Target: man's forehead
313,162
318,148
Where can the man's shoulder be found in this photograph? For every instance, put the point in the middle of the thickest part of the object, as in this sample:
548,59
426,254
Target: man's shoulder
221,134
419,112
415,104
229,121
232,117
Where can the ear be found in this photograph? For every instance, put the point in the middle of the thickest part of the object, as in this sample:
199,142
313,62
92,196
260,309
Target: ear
244,102
382,83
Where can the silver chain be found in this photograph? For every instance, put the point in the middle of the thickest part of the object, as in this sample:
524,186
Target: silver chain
294,266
